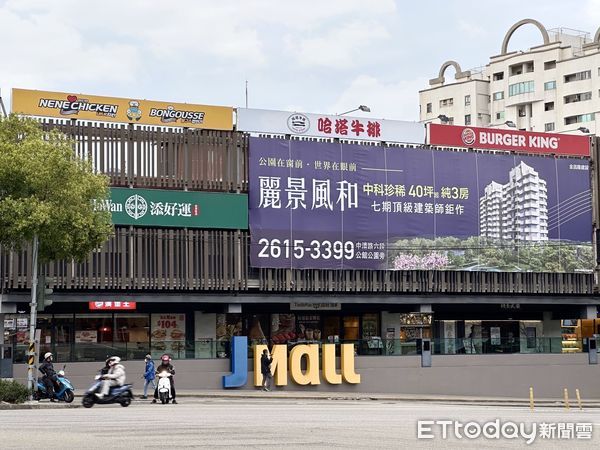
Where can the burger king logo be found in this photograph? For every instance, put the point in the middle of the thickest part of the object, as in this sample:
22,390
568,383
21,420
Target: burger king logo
468,136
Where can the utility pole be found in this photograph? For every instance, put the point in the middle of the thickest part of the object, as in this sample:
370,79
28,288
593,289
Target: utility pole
31,376
246,93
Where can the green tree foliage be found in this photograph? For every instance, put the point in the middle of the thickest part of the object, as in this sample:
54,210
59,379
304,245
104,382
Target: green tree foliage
481,254
48,191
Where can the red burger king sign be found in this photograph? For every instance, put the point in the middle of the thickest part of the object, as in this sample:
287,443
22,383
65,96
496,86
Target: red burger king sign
511,140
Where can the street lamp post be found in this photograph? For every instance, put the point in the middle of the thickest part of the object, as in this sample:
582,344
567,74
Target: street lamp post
508,123
362,108
442,117
583,130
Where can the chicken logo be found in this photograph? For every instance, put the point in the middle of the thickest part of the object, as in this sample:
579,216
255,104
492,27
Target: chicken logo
134,112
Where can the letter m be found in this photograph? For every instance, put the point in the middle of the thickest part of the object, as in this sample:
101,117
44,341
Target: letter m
279,365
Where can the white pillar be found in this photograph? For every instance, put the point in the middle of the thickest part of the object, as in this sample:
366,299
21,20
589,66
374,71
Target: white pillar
590,312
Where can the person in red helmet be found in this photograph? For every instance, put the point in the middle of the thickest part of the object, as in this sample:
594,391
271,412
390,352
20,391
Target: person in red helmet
166,366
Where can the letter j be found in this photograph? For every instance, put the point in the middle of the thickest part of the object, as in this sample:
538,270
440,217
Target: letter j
239,363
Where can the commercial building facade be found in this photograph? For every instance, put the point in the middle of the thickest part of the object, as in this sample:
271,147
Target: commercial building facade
187,289
552,87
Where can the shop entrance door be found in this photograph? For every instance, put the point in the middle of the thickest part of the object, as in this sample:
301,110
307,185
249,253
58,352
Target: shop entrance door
500,336
351,328
331,328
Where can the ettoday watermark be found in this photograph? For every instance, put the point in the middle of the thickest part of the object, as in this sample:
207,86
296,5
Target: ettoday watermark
498,429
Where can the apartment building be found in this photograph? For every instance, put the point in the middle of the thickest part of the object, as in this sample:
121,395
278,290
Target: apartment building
552,87
517,210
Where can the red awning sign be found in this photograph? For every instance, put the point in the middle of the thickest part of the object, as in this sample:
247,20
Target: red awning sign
111,306
511,140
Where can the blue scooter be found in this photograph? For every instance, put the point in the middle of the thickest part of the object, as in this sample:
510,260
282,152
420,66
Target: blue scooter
117,394
64,391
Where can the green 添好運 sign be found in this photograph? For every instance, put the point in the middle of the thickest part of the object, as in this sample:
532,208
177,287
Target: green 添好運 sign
165,208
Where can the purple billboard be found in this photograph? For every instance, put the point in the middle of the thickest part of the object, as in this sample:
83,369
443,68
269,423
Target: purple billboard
345,206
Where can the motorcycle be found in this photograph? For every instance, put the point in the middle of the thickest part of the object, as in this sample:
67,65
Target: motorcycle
164,387
63,392
117,394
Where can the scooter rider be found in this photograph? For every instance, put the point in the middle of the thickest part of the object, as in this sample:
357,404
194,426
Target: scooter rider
49,375
166,366
114,377
106,367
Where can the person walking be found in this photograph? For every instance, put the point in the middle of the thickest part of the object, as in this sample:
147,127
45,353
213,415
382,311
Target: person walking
149,374
265,369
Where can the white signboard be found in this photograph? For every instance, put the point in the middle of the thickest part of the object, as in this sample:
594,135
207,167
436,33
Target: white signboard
329,126
168,334
86,336
313,306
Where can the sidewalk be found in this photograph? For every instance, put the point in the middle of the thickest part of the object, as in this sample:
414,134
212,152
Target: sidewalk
353,396
258,395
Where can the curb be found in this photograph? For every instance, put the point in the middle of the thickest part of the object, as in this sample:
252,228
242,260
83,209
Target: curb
36,405
542,403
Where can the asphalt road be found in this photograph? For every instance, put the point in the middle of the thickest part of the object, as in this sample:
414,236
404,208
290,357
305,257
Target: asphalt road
272,423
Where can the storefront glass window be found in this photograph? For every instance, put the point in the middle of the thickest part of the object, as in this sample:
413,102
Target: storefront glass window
228,325
93,337
331,328
371,338
283,328
44,324
132,334
308,327
62,328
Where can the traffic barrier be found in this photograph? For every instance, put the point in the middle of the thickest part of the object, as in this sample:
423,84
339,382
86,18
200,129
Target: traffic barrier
566,395
578,399
531,397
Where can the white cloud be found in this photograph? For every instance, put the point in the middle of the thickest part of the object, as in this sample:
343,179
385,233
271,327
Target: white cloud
591,15
387,100
471,30
37,56
340,48
316,13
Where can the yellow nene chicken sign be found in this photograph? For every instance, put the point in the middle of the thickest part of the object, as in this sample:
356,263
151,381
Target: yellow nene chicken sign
126,110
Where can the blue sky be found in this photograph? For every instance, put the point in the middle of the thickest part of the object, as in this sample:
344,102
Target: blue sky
316,55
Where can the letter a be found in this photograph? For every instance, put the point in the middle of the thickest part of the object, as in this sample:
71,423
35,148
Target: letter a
311,376
239,363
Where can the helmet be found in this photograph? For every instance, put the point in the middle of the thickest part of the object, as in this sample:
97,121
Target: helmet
165,358
114,360
47,355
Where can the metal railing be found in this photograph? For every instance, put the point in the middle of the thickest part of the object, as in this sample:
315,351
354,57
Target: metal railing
216,349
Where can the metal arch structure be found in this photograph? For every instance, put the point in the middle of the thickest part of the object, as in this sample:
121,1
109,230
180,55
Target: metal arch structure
597,36
518,25
459,73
